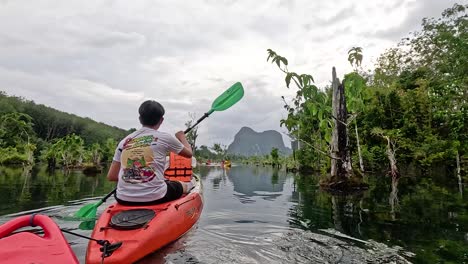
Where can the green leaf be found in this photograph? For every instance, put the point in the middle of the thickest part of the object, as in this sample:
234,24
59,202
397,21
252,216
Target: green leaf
313,109
288,79
323,124
284,60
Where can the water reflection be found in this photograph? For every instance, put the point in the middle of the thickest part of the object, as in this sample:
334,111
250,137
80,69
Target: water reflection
35,187
252,182
460,184
393,199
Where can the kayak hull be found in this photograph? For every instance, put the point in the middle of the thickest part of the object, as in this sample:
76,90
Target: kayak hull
27,247
172,220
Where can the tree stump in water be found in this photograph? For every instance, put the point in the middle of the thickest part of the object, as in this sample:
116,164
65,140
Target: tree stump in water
341,175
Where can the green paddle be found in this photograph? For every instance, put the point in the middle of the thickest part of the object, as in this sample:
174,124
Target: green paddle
90,210
223,102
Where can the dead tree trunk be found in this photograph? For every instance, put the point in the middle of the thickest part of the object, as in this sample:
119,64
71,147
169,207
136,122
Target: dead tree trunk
391,158
361,162
341,168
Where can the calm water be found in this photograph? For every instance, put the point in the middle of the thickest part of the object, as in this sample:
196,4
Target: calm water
261,215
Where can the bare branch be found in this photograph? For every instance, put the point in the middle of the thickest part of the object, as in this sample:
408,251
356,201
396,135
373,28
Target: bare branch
314,147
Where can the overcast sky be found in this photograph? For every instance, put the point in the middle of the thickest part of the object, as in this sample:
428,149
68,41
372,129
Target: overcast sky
101,59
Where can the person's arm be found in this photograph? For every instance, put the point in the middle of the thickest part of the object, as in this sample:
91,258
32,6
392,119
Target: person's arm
113,173
187,150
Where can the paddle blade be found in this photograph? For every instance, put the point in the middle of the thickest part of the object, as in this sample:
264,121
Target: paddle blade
228,98
87,225
88,211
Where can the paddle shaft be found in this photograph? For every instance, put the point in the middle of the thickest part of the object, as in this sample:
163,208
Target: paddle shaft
198,122
108,195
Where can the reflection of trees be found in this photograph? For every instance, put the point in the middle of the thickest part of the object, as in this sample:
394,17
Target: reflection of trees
295,194
418,213
460,183
393,199
424,215
250,181
346,212
216,174
25,195
338,204
36,187
311,206
274,176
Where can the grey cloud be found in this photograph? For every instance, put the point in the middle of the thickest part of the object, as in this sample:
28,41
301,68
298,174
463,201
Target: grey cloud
115,38
12,42
341,15
271,26
413,19
391,6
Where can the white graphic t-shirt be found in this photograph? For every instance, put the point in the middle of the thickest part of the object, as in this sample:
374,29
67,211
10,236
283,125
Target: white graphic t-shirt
142,157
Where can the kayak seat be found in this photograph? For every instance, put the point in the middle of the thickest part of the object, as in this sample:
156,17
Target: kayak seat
180,168
132,219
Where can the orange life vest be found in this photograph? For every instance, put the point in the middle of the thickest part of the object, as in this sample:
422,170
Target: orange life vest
180,168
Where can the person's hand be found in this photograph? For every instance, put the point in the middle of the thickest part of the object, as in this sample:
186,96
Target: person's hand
180,135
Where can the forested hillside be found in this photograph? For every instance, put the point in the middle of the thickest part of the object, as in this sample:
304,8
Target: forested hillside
33,132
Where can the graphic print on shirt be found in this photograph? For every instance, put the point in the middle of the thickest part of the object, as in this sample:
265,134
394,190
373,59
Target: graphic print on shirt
137,160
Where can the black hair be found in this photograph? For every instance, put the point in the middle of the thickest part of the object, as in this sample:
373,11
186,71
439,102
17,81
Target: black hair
151,113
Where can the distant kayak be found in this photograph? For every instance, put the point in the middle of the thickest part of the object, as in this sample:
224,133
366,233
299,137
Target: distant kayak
26,247
227,164
136,231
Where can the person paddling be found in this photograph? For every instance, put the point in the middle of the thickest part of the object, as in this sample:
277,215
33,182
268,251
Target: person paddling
140,158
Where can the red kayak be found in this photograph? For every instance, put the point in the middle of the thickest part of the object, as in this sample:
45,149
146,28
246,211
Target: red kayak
133,232
26,247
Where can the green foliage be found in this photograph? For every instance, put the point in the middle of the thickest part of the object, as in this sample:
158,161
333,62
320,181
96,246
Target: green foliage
68,150
426,86
220,151
95,154
15,129
108,150
203,153
355,56
17,139
309,114
50,123
28,130
274,156
417,96
11,155
192,135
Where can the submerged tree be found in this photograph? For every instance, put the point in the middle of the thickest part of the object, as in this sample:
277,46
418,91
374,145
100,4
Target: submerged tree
341,165
316,119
